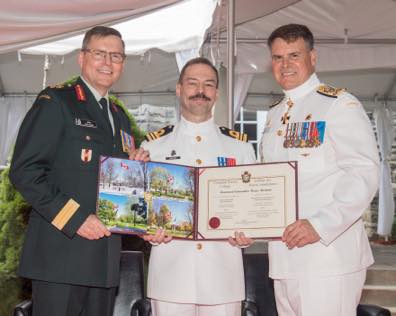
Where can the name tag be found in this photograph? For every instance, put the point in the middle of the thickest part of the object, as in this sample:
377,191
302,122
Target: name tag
85,123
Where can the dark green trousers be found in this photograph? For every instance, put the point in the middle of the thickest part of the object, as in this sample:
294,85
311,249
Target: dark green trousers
50,299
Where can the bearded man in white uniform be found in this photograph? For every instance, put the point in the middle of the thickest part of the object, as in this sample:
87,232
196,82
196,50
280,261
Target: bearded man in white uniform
319,266
203,278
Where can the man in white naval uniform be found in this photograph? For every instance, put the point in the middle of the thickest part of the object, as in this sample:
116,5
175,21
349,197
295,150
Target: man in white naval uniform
187,277
319,266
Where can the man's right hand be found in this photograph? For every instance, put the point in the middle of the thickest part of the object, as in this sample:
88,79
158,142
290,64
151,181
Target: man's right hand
93,228
158,238
139,154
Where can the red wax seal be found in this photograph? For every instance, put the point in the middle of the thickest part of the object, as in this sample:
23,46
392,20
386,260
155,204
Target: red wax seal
214,222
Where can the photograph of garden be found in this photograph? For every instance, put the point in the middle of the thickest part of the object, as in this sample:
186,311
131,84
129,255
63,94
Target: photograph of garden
121,205
136,197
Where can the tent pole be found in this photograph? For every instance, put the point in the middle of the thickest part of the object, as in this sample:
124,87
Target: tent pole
1,87
230,61
390,88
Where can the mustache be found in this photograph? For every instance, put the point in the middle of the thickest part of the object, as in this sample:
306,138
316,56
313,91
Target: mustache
199,96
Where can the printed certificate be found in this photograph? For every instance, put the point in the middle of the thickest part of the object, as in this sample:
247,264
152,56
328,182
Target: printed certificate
197,203
259,200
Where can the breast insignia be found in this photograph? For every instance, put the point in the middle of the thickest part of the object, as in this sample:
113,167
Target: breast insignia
159,133
234,134
330,91
278,101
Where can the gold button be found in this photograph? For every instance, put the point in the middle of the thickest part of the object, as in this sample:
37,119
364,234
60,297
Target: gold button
88,137
198,138
199,246
279,132
198,161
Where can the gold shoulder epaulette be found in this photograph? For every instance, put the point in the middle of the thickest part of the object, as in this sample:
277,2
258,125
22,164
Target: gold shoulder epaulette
61,86
330,91
58,86
44,96
159,133
234,134
277,102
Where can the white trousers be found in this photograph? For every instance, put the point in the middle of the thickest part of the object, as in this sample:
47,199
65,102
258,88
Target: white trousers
161,308
328,296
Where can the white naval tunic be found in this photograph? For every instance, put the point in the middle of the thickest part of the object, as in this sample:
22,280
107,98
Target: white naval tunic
336,182
209,272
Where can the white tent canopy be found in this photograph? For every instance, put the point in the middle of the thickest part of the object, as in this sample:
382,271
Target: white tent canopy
25,23
355,40
150,31
350,34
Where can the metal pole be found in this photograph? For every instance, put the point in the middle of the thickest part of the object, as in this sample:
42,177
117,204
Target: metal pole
230,61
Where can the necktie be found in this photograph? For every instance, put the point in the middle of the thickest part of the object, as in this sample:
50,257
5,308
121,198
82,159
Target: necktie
105,111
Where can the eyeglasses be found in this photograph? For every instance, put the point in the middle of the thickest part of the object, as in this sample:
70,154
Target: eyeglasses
101,55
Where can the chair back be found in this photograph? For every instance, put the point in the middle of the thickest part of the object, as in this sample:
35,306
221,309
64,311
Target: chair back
130,292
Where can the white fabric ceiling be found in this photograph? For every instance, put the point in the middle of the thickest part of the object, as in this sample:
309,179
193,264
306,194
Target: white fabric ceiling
25,22
150,31
355,40
366,68
337,26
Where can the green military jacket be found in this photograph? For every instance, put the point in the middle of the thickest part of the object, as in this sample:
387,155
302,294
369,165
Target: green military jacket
55,167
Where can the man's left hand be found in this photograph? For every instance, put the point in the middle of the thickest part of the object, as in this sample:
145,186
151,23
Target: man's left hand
299,234
139,154
159,237
240,240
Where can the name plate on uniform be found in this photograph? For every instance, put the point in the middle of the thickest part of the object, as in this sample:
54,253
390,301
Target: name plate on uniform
197,203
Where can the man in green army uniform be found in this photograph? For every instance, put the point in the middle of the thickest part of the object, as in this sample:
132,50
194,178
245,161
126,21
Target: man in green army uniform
71,257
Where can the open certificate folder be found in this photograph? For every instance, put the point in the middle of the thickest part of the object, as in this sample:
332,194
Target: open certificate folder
197,203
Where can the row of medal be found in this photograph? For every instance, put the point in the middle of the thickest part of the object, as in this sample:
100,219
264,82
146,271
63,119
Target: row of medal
304,134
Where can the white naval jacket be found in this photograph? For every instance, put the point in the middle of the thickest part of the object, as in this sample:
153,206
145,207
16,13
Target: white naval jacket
336,181
209,272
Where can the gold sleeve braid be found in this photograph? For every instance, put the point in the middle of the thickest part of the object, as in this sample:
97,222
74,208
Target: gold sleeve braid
65,214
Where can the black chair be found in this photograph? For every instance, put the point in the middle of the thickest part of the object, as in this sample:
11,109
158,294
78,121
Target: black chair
260,299
130,299
24,308
372,310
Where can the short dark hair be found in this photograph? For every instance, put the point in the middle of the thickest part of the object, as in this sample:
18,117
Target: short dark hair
100,31
196,61
292,32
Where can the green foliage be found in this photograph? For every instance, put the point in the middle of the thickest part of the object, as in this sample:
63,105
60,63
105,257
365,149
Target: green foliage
14,212
106,211
13,218
11,292
137,133
164,216
159,179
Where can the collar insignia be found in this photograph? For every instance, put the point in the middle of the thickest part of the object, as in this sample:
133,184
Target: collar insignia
80,93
